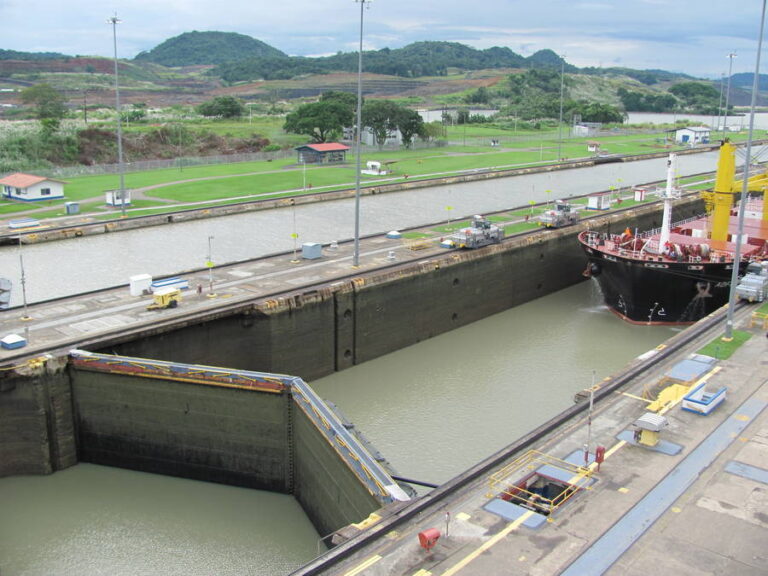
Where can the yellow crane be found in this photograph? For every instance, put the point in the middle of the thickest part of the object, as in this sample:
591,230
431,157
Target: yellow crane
719,201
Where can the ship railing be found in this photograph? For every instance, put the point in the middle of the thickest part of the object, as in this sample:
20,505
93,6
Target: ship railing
657,231
632,254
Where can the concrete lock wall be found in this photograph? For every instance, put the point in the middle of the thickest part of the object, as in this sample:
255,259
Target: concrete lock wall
227,435
292,336
327,489
36,423
53,416
315,333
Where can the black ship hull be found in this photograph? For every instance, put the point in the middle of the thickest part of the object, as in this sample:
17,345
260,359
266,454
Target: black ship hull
652,292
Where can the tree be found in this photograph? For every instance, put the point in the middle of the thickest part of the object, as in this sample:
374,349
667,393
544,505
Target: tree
48,104
320,121
595,112
410,123
479,96
346,98
381,117
640,102
696,97
223,107
432,131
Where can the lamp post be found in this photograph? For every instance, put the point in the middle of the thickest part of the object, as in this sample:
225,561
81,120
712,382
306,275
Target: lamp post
720,101
294,234
560,123
209,264
25,315
114,21
744,182
731,56
358,130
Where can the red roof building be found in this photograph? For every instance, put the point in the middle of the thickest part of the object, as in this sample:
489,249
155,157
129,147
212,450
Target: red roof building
31,188
325,153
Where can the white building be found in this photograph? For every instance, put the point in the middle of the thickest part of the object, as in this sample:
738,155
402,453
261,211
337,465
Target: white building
692,135
30,188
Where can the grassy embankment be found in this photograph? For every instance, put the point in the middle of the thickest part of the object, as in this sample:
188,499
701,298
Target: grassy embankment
175,189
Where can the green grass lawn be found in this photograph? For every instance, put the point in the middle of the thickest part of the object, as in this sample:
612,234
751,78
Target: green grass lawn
720,349
216,183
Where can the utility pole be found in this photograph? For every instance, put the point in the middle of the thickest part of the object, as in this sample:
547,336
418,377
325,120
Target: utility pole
560,123
358,136
731,56
114,21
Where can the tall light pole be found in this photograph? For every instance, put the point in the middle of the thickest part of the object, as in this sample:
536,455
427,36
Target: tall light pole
720,101
209,264
560,124
744,182
731,56
115,21
358,136
25,315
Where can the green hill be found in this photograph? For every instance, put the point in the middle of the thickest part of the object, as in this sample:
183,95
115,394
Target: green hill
413,61
198,48
14,55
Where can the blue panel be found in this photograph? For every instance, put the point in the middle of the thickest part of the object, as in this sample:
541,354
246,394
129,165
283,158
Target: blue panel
512,512
747,471
665,447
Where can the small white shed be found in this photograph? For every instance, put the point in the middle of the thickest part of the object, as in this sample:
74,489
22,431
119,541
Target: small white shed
601,201
117,198
31,188
692,135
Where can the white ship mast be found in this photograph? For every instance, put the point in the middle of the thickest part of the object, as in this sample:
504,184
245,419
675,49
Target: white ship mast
669,194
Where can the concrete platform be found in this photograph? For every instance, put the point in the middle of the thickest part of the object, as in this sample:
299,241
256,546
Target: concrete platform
703,510
69,322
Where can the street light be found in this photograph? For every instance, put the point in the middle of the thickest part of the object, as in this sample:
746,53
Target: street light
560,124
728,336
25,315
209,264
114,21
720,101
731,56
294,234
358,130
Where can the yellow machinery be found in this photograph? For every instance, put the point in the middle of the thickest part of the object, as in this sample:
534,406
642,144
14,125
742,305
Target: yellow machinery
165,298
720,199
647,428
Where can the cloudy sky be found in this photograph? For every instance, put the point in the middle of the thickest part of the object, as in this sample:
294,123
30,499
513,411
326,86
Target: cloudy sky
691,36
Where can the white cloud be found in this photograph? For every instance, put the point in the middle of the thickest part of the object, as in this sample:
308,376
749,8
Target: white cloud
689,35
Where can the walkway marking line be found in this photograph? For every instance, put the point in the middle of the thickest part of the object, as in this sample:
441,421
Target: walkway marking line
615,448
488,544
635,397
363,565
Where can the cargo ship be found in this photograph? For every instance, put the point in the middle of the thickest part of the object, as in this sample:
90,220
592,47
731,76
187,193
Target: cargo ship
681,272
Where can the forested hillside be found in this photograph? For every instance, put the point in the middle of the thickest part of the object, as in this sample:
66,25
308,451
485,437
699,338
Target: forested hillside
197,48
413,61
